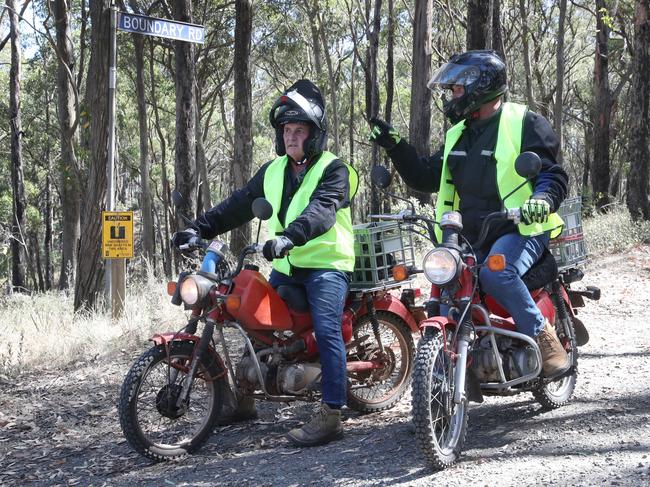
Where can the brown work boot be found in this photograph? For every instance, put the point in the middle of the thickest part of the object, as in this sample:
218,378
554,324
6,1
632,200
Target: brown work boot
324,427
555,360
235,409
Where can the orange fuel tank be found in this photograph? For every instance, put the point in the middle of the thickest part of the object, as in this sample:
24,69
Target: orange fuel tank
261,307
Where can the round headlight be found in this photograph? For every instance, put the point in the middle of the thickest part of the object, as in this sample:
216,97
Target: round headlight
194,289
440,266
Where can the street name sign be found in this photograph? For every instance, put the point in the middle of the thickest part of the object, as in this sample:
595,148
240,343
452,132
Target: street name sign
152,26
117,234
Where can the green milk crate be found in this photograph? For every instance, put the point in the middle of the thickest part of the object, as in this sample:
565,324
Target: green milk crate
378,246
569,248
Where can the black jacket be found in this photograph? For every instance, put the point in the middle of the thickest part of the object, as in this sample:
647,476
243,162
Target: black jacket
331,194
473,170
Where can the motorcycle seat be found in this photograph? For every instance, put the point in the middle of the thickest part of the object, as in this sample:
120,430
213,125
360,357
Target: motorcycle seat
542,272
294,296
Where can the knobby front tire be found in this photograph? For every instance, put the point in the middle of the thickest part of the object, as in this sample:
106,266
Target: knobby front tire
150,420
440,425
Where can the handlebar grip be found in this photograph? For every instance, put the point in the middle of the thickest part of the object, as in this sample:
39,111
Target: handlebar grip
387,217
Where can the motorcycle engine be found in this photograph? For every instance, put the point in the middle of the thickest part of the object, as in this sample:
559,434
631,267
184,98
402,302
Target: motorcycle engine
281,379
298,378
516,359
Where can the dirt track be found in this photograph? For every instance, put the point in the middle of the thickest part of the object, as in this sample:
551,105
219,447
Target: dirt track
62,429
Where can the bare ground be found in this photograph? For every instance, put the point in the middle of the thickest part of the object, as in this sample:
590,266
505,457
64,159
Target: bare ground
60,427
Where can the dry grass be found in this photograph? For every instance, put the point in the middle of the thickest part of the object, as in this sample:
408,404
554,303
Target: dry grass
614,232
41,331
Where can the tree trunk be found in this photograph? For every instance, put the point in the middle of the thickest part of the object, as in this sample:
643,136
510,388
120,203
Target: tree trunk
638,185
243,154
18,229
48,211
372,85
420,121
166,250
205,199
147,234
90,265
559,77
478,23
600,173
390,85
68,169
334,109
497,30
523,13
185,150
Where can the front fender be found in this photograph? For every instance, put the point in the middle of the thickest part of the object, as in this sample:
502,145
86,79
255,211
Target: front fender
167,339
440,323
393,305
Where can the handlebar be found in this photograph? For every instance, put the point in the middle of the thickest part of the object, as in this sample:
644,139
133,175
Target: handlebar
512,214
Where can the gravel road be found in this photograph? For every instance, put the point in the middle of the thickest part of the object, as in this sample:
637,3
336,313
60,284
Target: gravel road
61,428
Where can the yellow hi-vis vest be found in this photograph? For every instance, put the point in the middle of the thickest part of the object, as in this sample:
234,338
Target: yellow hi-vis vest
332,250
507,149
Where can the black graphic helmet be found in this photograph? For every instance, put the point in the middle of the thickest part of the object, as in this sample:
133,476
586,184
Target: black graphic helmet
482,73
301,102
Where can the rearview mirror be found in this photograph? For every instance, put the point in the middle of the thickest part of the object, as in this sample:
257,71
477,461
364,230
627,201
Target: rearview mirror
262,209
528,164
380,176
177,198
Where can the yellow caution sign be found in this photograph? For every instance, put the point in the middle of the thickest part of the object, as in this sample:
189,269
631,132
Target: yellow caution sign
117,234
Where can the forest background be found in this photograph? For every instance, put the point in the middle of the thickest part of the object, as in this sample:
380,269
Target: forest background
195,117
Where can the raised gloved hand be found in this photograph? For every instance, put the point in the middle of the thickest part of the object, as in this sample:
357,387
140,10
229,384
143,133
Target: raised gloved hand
183,237
383,134
535,210
277,248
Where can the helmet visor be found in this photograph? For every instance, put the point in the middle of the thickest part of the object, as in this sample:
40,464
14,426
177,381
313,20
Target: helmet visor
313,112
450,74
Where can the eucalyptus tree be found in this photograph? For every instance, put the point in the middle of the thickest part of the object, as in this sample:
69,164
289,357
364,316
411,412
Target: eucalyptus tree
69,171
638,186
90,265
18,229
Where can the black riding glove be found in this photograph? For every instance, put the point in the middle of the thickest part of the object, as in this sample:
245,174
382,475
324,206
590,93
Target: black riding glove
184,237
277,248
383,134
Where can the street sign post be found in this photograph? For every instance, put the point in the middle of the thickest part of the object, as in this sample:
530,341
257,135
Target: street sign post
151,26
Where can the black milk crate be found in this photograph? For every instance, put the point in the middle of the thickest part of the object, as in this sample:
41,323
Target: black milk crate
378,246
569,248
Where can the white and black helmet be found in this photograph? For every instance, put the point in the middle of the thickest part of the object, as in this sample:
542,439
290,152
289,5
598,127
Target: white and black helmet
301,102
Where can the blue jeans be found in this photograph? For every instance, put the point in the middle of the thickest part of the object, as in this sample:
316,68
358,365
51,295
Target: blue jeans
326,291
506,286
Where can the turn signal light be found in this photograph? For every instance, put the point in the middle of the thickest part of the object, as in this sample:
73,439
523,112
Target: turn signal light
171,287
233,303
496,262
400,272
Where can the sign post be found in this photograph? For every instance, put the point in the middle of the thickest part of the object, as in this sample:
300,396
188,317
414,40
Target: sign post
114,247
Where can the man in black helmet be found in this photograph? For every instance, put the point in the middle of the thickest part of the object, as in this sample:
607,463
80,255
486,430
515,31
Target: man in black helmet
312,246
475,168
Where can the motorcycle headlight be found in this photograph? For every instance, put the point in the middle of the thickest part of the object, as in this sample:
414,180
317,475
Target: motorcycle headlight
194,289
440,265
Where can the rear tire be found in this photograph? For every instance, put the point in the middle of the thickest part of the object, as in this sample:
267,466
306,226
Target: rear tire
150,420
380,389
440,425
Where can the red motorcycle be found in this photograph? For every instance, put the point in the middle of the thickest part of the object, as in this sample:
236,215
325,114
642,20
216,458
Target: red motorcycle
476,350
172,395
